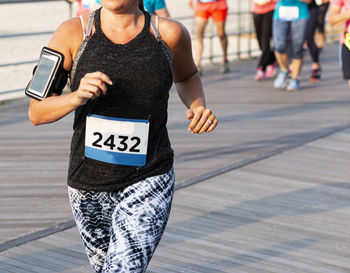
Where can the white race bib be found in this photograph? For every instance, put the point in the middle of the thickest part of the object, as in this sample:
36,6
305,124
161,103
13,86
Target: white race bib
289,13
116,141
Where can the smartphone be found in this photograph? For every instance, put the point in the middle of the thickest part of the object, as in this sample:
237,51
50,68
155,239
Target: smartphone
44,74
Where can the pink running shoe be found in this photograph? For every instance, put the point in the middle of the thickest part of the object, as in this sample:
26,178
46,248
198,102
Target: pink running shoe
270,71
260,75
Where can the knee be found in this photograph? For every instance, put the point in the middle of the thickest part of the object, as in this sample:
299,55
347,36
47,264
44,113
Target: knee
280,43
222,36
298,55
265,46
281,47
298,50
200,35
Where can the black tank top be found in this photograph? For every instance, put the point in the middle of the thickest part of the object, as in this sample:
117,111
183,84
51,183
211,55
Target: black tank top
142,78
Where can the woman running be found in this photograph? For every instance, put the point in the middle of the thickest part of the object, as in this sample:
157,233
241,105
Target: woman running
121,177
289,20
320,34
339,12
310,39
262,16
217,10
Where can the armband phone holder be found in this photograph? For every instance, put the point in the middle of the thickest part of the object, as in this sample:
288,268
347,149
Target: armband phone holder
49,75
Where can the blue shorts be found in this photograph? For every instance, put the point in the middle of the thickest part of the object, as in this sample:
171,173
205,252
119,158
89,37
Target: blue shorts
289,31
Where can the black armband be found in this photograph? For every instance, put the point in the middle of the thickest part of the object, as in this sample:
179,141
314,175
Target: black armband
49,76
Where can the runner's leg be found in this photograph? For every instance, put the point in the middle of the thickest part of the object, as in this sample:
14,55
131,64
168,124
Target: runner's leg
138,222
92,212
201,24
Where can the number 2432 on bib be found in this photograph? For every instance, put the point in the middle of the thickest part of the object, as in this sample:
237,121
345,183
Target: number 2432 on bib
116,141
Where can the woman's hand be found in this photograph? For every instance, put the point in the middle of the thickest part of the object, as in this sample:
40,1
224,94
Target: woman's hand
202,120
92,85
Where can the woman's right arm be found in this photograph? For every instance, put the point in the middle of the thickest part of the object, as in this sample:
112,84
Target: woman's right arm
91,85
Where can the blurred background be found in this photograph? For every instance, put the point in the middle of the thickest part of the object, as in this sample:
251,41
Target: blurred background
26,26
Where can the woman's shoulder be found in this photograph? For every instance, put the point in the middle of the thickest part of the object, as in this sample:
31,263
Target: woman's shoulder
73,27
67,38
172,31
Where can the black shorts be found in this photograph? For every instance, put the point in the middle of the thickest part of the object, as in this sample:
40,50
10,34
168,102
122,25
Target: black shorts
345,57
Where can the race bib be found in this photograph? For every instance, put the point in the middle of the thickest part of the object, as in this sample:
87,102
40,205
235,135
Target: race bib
288,13
262,2
116,141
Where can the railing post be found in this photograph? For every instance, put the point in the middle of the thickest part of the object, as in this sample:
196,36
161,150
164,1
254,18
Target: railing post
248,32
238,29
70,9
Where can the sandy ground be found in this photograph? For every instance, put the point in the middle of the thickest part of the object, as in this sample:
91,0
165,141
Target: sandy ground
47,16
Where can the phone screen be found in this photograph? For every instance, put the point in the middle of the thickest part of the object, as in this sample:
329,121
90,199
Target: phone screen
43,73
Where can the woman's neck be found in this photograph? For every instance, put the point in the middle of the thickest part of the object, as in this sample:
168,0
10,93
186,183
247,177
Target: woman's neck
121,20
121,28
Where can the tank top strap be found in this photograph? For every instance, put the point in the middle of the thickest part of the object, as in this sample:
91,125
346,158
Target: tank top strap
98,20
87,36
90,24
155,28
82,25
87,32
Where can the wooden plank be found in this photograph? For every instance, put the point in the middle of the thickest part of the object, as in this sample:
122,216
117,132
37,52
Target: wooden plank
283,212
261,228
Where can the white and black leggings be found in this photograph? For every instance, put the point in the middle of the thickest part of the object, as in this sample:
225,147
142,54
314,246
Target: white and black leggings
121,230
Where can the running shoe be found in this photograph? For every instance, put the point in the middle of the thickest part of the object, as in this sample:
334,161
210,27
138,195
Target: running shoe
293,85
260,75
281,80
315,75
225,68
270,71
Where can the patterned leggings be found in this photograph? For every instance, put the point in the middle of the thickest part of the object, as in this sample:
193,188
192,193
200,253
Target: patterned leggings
121,230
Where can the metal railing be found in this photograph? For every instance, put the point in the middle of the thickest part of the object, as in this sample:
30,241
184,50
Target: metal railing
210,36
238,33
37,1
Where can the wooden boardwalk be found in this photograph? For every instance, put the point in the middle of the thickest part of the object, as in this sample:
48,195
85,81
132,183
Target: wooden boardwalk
269,191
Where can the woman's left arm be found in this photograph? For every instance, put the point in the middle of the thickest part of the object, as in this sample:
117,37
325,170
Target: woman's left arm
186,78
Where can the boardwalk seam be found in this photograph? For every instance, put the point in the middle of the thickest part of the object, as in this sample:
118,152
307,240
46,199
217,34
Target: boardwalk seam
36,235
257,158
190,182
